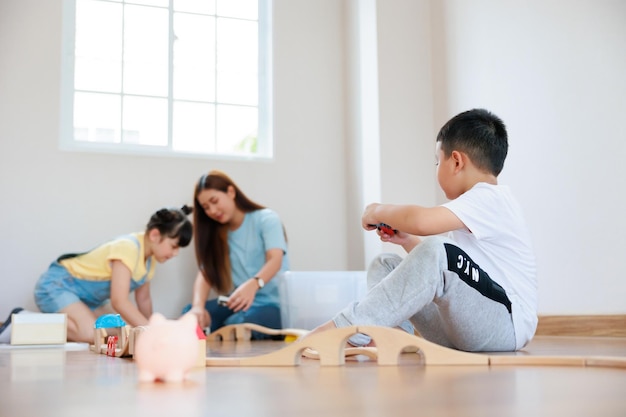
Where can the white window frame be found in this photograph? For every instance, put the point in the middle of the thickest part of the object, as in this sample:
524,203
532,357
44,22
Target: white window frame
265,98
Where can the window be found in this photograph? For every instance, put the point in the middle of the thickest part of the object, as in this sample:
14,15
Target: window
167,77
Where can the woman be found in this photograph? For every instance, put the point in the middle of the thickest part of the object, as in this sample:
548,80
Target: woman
240,247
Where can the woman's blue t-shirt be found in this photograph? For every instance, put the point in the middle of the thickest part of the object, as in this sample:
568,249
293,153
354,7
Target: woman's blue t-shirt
260,231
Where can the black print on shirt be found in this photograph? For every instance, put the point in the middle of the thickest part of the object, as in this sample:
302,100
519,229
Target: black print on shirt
470,273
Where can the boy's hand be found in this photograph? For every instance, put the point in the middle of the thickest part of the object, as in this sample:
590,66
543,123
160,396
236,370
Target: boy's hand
389,237
368,220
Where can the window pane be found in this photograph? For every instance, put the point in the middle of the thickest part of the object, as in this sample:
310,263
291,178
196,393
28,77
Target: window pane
146,50
237,55
97,117
193,87
241,9
195,6
194,57
194,127
238,88
145,121
237,45
160,3
98,46
236,129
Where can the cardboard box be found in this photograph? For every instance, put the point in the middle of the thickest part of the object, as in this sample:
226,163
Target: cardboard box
310,298
38,329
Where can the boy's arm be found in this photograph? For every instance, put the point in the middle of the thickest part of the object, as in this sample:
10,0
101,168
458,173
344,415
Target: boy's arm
120,289
411,219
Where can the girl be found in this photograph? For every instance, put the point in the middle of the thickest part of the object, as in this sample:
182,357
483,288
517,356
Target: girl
80,285
240,247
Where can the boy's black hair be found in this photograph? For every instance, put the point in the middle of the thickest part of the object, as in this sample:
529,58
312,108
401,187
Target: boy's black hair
173,223
481,135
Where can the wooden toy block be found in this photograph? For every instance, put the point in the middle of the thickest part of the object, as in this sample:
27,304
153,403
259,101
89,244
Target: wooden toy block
135,333
594,361
517,360
201,359
610,362
38,329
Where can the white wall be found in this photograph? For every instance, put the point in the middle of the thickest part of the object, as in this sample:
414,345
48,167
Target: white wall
406,104
552,70
54,202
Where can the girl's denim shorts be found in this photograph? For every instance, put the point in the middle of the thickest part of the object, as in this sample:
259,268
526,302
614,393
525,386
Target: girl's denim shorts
57,288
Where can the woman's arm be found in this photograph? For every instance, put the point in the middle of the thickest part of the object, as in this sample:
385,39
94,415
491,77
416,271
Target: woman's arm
243,297
201,291
120,289
273,262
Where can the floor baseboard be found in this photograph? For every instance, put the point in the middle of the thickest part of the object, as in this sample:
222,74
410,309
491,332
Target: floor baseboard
590,325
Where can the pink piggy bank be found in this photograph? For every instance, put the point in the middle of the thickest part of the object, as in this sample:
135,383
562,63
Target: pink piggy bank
167,349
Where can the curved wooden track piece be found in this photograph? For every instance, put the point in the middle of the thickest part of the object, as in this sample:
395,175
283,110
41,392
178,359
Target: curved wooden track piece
330,348
391,342
244,332
329,345
370,352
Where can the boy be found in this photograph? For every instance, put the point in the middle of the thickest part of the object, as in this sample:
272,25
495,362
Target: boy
474,290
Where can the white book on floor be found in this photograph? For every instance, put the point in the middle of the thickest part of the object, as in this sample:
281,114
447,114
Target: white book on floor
38,329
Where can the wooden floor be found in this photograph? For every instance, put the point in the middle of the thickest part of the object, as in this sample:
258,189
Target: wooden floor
73,381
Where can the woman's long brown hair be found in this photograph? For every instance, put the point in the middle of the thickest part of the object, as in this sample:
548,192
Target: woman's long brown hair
211,237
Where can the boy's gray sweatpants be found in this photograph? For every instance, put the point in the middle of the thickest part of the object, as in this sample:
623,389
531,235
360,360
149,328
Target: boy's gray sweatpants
430,287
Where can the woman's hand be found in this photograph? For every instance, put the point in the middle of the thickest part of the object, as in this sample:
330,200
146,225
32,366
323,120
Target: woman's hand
203,316
243,296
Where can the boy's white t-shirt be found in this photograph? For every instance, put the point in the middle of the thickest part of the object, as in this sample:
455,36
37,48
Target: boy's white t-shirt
498,240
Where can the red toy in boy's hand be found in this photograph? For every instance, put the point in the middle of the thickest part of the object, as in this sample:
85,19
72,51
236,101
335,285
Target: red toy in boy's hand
385,228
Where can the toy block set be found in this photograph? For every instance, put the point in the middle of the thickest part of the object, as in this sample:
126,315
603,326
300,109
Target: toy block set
38,329
167,350
111,336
